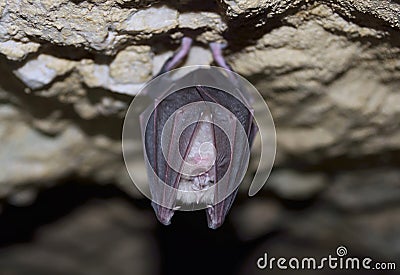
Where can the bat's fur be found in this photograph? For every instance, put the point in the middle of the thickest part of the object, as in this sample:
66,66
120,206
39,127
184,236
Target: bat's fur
186,194
201,155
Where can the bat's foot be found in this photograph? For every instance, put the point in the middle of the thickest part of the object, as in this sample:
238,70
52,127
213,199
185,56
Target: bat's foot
216,50
178,57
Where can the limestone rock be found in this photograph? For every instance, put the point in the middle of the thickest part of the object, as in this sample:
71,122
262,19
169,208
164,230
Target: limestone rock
43,70
148,20
101,231
15,50
353,190
132,65
294,186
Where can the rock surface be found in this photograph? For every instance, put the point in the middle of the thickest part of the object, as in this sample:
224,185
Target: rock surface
328,70
93,239
337,62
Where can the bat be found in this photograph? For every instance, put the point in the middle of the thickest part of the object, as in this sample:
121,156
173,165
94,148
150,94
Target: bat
196,141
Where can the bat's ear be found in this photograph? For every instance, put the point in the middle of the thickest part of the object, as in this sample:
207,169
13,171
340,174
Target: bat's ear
164,215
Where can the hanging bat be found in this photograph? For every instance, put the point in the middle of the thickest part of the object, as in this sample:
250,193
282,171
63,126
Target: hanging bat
196,141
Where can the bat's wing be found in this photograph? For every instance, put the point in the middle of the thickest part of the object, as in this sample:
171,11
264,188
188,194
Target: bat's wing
233,132
239,127
162,139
